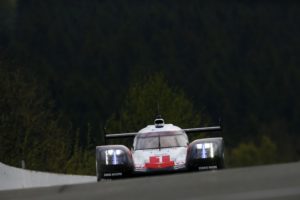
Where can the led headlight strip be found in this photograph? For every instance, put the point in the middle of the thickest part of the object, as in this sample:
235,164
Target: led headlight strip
205,147
113,154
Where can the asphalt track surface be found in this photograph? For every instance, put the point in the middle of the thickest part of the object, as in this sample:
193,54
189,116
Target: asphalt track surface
280,181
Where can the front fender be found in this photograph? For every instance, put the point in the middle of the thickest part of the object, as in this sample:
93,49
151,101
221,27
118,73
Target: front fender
113,159
205,152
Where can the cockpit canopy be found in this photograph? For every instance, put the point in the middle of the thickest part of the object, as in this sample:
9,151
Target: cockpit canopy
159,140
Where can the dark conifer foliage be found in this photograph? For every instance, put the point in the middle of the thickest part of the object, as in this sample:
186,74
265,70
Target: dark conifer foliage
236,60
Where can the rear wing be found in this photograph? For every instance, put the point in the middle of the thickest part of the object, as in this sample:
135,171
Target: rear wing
203,129
118,135
188,130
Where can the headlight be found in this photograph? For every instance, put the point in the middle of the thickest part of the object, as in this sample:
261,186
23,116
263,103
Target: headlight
119,152
205,145
206,149
113,156
110,152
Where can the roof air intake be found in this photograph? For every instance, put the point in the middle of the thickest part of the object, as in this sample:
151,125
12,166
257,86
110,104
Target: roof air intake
159,122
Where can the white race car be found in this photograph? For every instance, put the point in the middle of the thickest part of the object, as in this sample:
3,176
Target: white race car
158,148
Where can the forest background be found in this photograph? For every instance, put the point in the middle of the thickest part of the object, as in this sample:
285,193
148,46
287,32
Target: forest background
70,68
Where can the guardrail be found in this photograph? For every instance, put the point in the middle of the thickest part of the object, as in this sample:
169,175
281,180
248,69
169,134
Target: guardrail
16,178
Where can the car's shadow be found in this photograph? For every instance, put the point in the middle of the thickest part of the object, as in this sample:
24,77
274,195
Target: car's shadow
162,173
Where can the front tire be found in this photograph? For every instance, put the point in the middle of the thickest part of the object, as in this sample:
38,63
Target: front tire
193,168
99,171
221,163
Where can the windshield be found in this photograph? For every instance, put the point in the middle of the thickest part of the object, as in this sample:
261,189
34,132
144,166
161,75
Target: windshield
161,141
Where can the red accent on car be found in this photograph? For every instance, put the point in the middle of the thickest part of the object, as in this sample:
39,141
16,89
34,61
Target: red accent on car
155,164
166,159
154,159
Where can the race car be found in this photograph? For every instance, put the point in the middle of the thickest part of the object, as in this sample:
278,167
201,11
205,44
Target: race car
159,148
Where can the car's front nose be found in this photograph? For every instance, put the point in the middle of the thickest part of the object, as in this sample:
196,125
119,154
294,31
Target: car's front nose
168,159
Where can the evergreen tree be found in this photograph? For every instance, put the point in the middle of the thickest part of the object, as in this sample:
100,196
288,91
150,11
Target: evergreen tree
29,128
246,154
141,106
